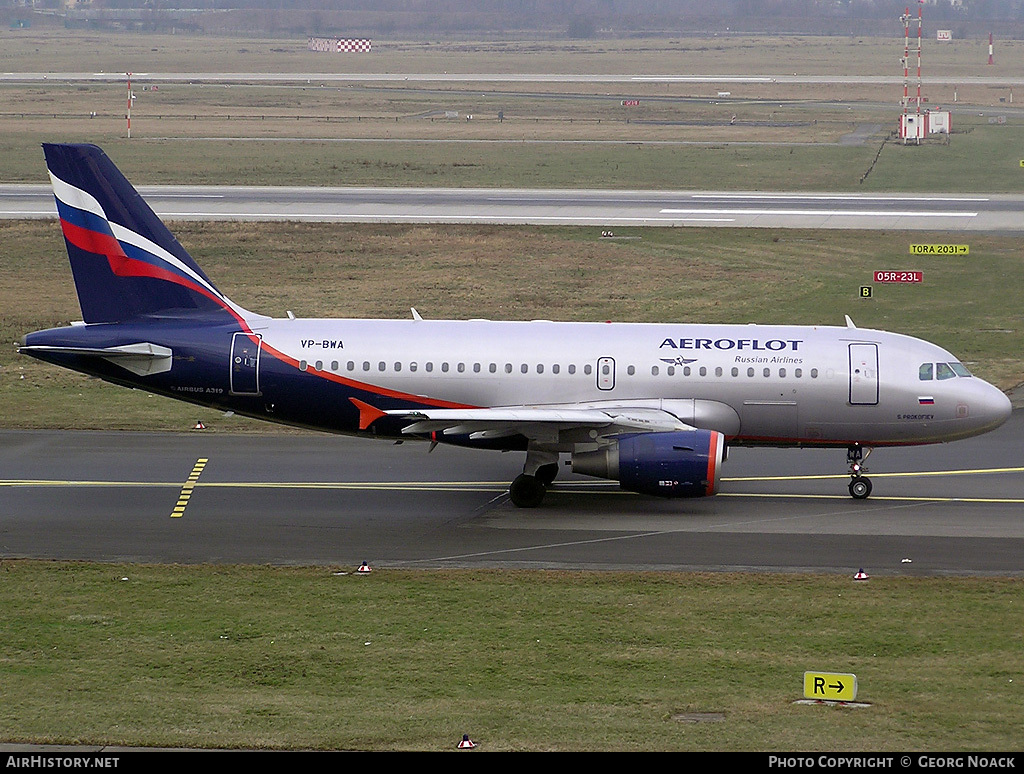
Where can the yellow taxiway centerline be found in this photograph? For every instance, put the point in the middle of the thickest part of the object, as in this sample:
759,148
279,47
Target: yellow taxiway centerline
186,490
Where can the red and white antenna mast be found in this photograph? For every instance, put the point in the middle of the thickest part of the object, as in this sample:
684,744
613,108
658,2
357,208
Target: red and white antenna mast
906,57
906,121
919,22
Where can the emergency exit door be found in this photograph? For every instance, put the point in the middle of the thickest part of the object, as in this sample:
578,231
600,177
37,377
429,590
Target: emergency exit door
605,373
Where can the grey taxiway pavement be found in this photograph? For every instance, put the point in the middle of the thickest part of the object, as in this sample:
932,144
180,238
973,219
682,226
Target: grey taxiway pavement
600,208
330,500
487,77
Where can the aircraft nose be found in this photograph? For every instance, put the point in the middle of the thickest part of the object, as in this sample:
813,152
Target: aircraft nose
992,407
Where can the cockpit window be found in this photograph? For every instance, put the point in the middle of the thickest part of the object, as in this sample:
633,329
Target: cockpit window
959,369
929,371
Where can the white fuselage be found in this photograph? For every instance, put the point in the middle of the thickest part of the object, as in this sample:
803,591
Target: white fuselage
785,384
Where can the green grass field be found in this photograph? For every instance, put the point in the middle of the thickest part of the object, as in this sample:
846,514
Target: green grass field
979,158
298,658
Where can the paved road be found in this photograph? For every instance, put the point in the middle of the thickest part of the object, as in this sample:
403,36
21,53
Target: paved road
317,499
600,208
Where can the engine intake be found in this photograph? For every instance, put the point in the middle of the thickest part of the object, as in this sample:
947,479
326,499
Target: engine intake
682,463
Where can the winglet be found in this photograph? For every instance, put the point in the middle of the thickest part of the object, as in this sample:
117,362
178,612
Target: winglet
367,414
849,322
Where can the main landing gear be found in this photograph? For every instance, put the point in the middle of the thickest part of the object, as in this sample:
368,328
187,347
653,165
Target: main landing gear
528,489
860,485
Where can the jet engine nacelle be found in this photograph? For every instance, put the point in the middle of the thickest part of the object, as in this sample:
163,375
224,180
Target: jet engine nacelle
683,463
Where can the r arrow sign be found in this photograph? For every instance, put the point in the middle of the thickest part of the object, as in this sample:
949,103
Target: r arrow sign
830,686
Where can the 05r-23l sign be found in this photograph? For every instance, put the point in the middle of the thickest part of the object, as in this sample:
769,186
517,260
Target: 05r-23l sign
898,276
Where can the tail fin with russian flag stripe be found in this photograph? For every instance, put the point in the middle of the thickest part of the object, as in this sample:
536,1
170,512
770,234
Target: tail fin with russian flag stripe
125,262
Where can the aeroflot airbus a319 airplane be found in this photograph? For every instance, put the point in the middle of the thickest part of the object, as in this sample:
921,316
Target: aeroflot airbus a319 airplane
653,406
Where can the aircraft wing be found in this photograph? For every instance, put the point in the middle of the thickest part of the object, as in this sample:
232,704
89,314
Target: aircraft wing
547,424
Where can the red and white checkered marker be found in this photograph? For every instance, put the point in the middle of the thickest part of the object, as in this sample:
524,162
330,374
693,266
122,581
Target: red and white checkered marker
466,742
364,568
341,45
861,575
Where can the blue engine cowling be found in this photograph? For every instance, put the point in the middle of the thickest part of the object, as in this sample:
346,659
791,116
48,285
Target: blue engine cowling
683,463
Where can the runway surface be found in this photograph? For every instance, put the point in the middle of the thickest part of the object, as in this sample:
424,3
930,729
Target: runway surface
468,77
600,208
327,500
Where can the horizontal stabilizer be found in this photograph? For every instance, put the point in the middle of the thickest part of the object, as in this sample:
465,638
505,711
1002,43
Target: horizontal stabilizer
142,359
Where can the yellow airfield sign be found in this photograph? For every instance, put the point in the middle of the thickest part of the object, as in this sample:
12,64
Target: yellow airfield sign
940,249
830,686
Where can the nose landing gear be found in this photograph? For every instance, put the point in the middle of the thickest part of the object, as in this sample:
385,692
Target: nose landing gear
860,485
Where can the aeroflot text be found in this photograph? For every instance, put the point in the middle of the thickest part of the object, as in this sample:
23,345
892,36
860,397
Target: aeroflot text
882,762
771,345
